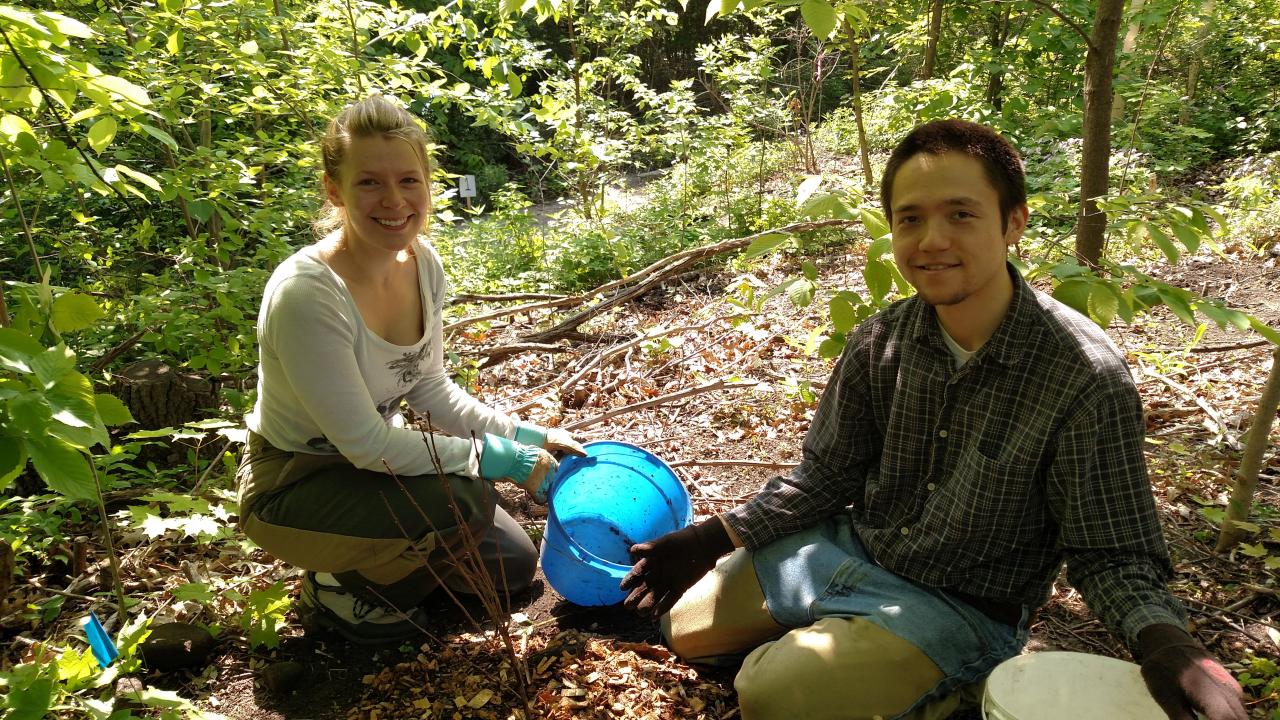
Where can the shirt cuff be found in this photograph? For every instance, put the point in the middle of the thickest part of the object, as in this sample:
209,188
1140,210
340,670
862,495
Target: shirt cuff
1145,616
502,458
529,434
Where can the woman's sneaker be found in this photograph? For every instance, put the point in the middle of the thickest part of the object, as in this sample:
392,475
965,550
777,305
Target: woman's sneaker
324,604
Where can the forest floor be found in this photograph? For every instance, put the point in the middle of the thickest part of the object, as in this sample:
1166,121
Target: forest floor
605,663
725,443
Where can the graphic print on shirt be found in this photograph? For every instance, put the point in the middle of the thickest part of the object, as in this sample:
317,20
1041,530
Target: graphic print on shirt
408,368
389,408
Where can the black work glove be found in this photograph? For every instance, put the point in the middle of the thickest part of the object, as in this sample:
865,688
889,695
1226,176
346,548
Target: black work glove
1183,677
667,567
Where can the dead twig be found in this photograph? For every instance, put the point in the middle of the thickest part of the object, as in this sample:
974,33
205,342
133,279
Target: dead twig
660,400
467,298
1224,431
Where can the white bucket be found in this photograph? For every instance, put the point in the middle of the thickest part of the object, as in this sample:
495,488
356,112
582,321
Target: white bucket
1068,686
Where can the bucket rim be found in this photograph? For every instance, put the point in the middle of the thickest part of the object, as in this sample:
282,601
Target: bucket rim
565,470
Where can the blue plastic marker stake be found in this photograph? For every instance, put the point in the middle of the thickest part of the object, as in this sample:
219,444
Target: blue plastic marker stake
103,649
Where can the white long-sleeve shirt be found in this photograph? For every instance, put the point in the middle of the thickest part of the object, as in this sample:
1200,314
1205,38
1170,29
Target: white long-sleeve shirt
329,384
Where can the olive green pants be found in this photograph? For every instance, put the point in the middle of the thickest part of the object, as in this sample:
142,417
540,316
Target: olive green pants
835,669
391,539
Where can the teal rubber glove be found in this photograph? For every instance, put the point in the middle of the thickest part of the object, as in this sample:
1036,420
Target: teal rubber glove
529,467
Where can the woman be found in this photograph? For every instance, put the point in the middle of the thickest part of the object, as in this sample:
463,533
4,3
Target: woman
351,326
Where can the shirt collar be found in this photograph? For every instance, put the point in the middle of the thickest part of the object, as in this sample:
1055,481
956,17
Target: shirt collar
1011,337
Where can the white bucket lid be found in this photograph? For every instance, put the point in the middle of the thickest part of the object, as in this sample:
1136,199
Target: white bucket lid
1068,686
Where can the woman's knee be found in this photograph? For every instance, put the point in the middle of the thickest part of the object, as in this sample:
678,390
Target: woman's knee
835,668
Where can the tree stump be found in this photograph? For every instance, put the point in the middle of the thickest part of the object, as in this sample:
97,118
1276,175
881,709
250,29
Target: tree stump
159,396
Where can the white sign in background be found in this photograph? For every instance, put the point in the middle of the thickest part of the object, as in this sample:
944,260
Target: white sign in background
467,186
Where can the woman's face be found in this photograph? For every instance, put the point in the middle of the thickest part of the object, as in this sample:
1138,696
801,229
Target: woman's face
383,191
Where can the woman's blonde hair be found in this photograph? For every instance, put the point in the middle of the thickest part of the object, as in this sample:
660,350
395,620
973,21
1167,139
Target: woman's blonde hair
375,116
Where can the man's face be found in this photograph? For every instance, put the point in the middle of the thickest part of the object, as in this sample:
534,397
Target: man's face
947,238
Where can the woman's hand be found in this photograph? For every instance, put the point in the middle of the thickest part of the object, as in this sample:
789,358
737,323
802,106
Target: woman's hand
525,465
560,442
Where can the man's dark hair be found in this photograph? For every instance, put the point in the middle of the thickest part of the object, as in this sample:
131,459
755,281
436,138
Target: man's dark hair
999,158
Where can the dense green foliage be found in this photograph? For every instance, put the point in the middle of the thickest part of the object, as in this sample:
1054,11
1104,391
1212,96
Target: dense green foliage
159,161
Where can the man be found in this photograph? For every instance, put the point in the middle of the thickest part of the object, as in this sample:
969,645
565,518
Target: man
972,439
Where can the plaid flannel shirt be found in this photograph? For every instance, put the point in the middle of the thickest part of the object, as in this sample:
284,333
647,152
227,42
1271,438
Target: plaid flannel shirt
984,479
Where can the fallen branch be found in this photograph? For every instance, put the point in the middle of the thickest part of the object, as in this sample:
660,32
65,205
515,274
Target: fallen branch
660,400
655,274
1224,431
612,352
571,300
467,298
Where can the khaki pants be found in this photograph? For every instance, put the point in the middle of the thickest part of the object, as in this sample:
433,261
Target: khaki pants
837,668
392,539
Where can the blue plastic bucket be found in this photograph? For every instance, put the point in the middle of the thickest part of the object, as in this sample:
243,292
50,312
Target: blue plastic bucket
599,506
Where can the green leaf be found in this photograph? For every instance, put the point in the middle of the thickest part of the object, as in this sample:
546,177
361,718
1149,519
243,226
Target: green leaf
112,410
819,16
160,135
11,126
810,270
249,47
64,469
102,133
1188,235
1103,304
1163,242
199,592
1178,303
30,413
174,42
123,88
879,280
17,349
843,316
74,311
141,177
807,188
30,702
1074,293
1265,330
873,220
765,243
13,459
800,292
1257,550
53,364
832,347
72,400
68,26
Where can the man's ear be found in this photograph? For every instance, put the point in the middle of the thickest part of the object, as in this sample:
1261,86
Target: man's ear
331,191
1016,224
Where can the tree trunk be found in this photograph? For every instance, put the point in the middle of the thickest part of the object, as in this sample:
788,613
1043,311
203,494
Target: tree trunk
855,79
1130,44
999,35
1251,464
931,50
1193,68
158,397
1091,223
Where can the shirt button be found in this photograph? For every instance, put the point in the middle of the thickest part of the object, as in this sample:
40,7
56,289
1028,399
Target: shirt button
942,433
905,530
932,487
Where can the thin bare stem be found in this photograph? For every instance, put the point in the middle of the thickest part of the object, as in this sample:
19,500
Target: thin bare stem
107,537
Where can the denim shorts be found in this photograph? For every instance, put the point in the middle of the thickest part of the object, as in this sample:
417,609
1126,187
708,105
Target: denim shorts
825,571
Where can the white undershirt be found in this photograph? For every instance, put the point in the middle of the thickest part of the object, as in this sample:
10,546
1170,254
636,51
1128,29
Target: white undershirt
960,354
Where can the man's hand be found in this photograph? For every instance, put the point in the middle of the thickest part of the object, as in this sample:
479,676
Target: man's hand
560,442
667,567
1183,677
